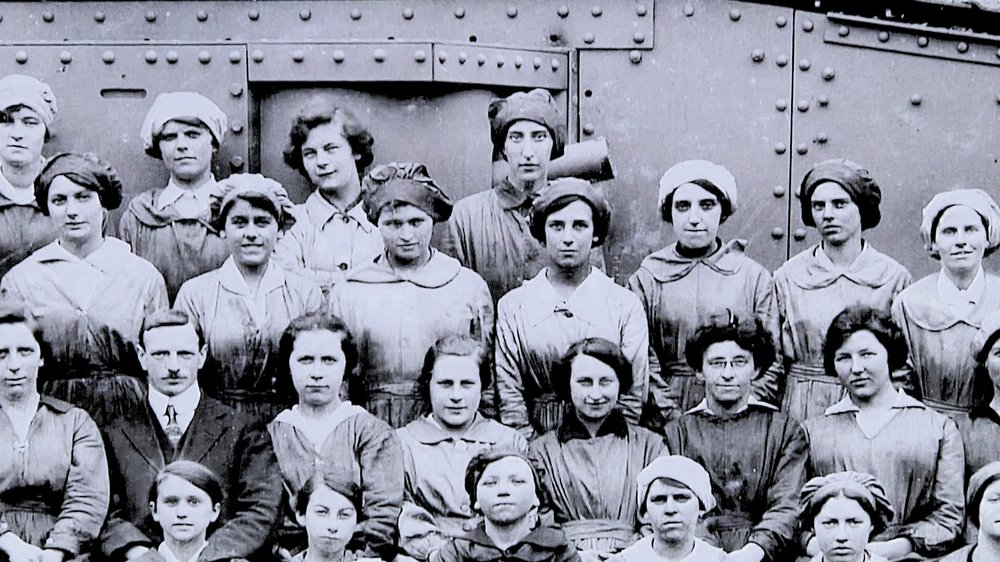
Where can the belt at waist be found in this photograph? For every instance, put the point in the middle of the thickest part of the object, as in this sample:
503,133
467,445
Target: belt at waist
728,521
598,528
30,506
808,371
677,369
950,407
403,388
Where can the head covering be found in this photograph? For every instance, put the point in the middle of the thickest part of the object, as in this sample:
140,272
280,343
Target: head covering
702,173
853,178
236,185
978,483
407,182
85,169
856,485
478,464
536,105
181,105
18,89
976,199
989,327
680,469
565,191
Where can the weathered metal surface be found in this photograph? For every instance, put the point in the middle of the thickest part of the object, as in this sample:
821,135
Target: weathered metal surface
474,64
920,124
600,24
717,87
105,91
340,62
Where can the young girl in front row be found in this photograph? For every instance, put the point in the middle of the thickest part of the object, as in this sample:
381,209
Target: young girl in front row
185,499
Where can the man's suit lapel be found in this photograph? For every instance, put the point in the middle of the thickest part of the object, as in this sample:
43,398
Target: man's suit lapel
142,437
207,426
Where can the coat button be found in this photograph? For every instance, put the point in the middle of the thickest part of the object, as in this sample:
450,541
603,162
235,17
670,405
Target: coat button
343,266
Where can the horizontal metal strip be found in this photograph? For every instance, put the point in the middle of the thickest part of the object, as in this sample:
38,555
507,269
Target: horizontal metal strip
340,62
472,64
915,40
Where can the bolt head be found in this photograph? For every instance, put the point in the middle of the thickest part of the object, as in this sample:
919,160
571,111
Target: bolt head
588,38
563,11
781,104
639,37
757,55
236,128
408,13
782,60
883,36
808,26
172,56
799,234
298,55
442,57
802,148
257,55
641,10
735,14
236,162
500,61
254,14
588,129
305,14
235,56
379,55
688,10
21,57
782,21
512,11
339,56
204,57
780,148
463,57
99,17
828,73
202,15
151,16
236,90
923,42
803,105
108,57
150,56
420,55
65,57
48,17
777,233
355,14
635,56
804,65
555,65
823,100
459,13
779,190
596,11
518,62
481,59
962,47
822,138
537,63
843,31
916,99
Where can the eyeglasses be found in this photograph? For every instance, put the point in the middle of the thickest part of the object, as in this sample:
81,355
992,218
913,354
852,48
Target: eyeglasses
721,364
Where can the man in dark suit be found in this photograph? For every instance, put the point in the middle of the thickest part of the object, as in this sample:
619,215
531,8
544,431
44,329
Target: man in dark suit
182,423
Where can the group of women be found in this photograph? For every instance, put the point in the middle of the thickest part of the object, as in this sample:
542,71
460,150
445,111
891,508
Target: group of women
405,337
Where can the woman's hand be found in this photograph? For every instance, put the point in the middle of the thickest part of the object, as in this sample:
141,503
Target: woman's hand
891,549
52,555
17,550
749,553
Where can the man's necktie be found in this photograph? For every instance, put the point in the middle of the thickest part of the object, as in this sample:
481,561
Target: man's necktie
173,429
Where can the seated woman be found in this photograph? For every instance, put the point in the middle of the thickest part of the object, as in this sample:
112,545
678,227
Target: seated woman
983,507
323,433
592,460
186,501
327,507
844,510
915,452
437,448
90,291
244,306
981,430
504,487
54,488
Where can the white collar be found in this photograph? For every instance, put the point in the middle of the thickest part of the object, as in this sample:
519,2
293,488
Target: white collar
169,556
185,402
753,401
231,278
846,405
953,296
173,192
15,195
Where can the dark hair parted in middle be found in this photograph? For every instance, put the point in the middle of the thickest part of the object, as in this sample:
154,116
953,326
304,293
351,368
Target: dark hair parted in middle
87,170
317,321
199,475
854,179
335,482
477,466
168,317
861,318
321,111
601,349
13,312
459,346
747,332
558,195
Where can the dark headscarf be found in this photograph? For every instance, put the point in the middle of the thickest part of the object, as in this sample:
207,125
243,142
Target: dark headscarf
85,169
536,105
978,483
406,182
854,179
562,192
858,486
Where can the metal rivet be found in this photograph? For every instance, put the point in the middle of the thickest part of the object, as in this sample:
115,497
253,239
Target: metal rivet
883,36
804,65
305,14
639,37
588,38
339,56
236,90
641,10
563,11
843,31
518,62
735,14
151,16
459,13
596,11
555,65
172,56
802,148
463,56
779,190
780,148
923,41
257,55
21,57
49,17
803,105
808,25
688,10
237,128
777,233
108,57
757,55
822,138
512,11
355,14
781,104
481,60
782,60
65,57
235,56
500,61
202,15
236,162
151,56
442,56
828,73
588,129
379,55
799,234
823,100
407,13
916,99
962,47
298,55
204,57
99,17
635,56
782,21
420,55
254,15
537,63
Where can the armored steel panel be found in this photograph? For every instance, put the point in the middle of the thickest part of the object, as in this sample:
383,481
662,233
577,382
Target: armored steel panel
716,87
340,62
104,92
532,23
920,122
475,64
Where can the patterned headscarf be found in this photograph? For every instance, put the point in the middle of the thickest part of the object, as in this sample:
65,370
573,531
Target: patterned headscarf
18,89
181,105
858,486
567,190
407,182
537,106
86,169
237,185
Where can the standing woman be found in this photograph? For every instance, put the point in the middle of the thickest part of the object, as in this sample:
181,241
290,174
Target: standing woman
332,235
412,295
694,279
27,110
244,306
170,226
915,452
566,302
840,199
844,510
90,292
941,313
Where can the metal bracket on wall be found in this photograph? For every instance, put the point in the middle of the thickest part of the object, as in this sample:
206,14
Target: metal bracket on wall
919,40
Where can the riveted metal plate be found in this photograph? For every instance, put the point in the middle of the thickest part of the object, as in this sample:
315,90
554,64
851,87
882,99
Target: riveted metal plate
919,124
598,24
104,93
912,39
698,94
474,64
340,62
